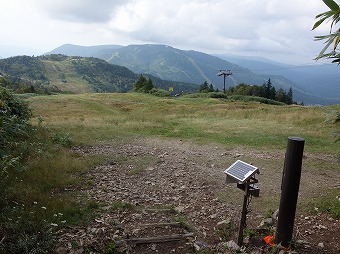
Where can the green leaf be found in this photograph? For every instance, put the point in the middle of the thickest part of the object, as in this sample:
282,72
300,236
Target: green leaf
322,17
327,14
318,23
332,5
322,37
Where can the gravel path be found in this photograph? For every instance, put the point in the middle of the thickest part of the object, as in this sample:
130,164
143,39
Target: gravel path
162,188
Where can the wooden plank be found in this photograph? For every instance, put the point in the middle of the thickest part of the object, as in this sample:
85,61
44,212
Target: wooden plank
157,239
160,224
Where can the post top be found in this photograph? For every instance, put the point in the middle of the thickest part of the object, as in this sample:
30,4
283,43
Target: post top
296,138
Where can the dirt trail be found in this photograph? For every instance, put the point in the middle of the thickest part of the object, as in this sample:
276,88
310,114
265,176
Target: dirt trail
165,188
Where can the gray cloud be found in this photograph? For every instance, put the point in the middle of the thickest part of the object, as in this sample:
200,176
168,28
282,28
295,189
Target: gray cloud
255,27
85,11
273,26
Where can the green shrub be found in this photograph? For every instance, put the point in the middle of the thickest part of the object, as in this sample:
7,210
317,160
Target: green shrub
14,130
197,95
159,92
255,98
218,95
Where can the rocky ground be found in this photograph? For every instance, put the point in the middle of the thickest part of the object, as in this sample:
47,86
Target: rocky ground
164,196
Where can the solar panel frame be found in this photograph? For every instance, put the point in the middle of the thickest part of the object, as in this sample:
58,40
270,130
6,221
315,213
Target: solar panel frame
241,171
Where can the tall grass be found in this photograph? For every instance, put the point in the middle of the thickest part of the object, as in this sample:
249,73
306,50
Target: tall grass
36,201
37,174
93,118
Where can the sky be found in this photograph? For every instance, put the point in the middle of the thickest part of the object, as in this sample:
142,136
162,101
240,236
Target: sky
279,30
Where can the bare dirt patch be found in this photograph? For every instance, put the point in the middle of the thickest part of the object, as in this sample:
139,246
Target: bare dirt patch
155,188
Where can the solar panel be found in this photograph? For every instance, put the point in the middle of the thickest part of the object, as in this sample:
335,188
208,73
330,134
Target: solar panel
241,171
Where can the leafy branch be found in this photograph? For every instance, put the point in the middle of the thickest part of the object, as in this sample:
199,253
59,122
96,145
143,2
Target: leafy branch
334,36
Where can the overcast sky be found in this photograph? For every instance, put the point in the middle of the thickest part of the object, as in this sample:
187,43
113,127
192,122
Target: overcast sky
276,29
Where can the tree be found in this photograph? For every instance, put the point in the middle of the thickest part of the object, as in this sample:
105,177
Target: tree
331,40
211,88
244,89
139,83
143,85
281,95
148,85
289,96
269,90
204,88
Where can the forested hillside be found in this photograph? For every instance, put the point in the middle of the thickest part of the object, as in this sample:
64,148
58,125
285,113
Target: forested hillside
60,73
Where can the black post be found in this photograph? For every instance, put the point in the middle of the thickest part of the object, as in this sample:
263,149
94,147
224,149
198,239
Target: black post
290,189
244,214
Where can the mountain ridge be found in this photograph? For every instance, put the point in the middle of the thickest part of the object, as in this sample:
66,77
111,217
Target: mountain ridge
191,66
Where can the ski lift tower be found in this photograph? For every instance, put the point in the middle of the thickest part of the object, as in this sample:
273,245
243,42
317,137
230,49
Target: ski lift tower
225,74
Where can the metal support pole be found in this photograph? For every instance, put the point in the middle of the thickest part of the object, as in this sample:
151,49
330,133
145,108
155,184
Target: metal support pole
224,83
244,214
290,190
225,74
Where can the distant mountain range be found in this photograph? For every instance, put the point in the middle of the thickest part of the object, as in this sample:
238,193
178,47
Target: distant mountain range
316,84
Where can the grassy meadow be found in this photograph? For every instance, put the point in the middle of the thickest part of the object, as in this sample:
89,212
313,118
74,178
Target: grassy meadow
100,118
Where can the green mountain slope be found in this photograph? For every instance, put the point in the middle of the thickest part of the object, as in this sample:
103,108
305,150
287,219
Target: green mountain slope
76,74
25,67
196,67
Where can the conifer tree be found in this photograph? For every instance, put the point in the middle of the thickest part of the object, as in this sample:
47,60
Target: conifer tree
204,88
139,83
289,97
143,85
211,88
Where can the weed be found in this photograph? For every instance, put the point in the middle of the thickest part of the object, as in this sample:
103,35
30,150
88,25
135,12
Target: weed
90,180
184,223
64,140
40,120
268,213
110,248
249,233
89,250
224,234
92,204
331,206
122,205
205,251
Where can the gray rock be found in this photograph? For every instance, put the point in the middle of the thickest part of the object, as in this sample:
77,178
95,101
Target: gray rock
179,209
266,222
275,215
232,245
321,245
200,246
223,224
